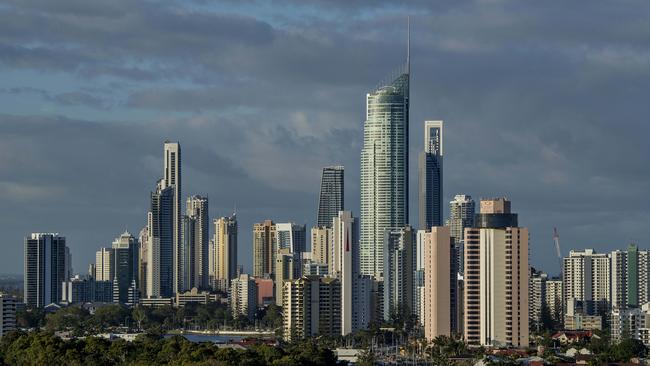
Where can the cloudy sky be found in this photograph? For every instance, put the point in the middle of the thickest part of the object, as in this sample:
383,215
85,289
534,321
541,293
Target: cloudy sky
544,102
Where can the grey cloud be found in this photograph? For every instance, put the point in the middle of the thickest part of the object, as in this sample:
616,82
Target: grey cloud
74,98
541,103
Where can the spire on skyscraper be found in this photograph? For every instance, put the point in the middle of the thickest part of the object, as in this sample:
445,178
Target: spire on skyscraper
408,44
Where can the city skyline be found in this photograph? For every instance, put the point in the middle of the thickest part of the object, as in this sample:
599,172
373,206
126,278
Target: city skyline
558,184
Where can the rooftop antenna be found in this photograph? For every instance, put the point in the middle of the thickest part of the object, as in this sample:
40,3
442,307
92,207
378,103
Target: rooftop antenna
408,44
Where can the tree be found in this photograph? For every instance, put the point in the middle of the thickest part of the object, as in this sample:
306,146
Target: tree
108,316
70,318
272,317
627,349
547,321
366,358
139,314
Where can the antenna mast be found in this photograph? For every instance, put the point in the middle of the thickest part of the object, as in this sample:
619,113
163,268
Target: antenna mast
408,44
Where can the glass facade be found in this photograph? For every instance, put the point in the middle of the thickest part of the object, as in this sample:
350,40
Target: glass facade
384,169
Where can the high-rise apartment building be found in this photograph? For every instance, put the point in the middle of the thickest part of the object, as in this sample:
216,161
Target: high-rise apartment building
243,296
632,323
286,268
586,276
311,306
345,264
418,276
399,267
437,282
462,211
125,267
430,174
224,252
554,295
345,227
172,179
321,248
629,281
160,246
8,312
195,248
496,278
536,298
143,240
44,269
331,195
264,248
104,265
291,236
384,169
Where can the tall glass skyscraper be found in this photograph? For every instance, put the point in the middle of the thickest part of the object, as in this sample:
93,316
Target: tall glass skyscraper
45,263
331,195
384,168
430,169
172,178
125,267
195,243
160,251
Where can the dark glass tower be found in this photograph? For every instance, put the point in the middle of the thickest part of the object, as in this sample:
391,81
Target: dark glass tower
430,169
331,195
126,257
45,263
162,232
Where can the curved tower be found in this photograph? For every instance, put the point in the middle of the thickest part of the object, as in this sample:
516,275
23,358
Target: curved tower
384,168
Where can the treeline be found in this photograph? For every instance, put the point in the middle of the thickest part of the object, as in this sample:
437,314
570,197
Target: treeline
44,348
80,322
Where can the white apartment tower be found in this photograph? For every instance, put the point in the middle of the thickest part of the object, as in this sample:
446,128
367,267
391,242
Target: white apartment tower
586,276
104,265
629,284
243,296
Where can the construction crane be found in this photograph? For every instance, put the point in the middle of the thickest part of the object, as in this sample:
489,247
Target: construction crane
556,240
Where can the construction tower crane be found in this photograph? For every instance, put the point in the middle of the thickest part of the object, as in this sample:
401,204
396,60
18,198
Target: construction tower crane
556,240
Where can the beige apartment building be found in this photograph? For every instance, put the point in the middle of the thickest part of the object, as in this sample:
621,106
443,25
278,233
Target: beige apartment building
311,306
496,278
264,248
437,287
223,261
321,244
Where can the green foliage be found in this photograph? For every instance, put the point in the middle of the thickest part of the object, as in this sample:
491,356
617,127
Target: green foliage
447,346
43,348
627,349
366,358
30,318
271,316
548,322
71,318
